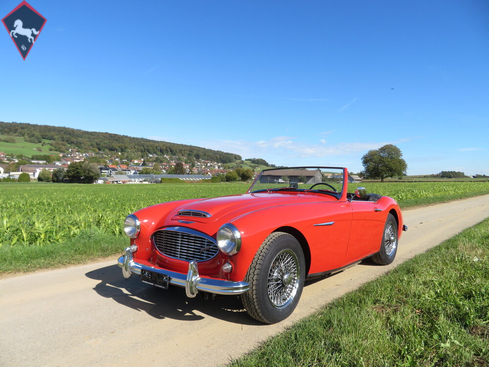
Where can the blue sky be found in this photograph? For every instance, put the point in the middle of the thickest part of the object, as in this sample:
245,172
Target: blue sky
293,82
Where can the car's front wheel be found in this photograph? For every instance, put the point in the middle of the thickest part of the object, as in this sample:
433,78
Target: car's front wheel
388,246
276,277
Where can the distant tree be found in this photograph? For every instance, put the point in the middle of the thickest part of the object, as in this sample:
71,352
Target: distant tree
156,168
451,174
75,172
8,139
90,171
218,178
24,177
45,176
384,162
258,161
12,167
49,158
146,171
232,176
244,174
58,146
59,174
179,169
82,172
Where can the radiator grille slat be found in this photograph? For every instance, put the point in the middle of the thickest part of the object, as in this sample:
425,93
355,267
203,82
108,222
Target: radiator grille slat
184,244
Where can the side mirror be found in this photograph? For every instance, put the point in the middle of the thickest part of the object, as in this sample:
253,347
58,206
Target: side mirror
361,192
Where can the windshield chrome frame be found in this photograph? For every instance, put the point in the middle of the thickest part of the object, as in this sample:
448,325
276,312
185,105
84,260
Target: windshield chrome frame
339,195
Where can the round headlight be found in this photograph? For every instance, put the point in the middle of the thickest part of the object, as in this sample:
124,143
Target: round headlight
132,226
229,239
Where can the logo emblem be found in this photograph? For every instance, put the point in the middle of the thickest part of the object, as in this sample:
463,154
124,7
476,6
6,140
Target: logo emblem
24,24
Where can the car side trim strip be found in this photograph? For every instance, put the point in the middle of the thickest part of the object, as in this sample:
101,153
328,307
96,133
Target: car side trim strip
323,224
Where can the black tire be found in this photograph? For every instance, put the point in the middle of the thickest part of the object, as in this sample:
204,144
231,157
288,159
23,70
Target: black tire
388,247
276,277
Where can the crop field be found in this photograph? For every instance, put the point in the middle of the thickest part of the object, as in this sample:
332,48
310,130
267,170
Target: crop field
422,193
38,214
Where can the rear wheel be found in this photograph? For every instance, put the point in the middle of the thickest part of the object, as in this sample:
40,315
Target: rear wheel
388,247
276,277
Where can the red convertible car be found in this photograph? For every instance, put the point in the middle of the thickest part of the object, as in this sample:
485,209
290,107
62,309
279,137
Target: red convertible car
292,224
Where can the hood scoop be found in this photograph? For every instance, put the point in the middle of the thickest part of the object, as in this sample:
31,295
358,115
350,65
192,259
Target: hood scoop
194,213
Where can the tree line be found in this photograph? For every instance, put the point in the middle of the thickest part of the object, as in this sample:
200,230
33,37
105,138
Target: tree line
63,138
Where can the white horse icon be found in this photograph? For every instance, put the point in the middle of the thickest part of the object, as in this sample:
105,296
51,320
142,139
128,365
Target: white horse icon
23,31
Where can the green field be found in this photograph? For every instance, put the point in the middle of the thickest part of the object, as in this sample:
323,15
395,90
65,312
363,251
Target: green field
37,214
21,147
45,225
409,194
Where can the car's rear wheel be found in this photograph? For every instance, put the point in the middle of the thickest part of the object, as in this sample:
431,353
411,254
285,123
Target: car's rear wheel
388,247
276,277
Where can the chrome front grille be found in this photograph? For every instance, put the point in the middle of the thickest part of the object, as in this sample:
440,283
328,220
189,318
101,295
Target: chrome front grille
185,244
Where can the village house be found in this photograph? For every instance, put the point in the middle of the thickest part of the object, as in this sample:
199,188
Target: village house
34,169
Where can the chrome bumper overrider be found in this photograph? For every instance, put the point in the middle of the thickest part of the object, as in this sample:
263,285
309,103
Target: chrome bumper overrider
191,281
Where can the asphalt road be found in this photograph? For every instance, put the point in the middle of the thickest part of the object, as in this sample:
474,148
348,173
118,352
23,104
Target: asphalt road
90,315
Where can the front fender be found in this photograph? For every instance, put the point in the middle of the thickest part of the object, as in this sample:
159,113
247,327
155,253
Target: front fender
256,226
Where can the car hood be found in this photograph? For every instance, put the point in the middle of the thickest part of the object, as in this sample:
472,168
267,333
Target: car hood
229,207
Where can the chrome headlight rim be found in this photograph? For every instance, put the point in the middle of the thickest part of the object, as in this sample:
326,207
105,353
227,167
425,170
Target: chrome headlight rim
229,239
132,226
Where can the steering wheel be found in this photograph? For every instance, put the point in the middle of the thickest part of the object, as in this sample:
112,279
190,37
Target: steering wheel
322,183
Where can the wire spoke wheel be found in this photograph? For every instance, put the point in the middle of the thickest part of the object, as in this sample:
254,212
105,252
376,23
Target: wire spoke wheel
390,239
283,279
388,246
276,277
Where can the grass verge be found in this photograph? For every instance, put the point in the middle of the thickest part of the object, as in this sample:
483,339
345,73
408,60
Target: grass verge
432,310
89,245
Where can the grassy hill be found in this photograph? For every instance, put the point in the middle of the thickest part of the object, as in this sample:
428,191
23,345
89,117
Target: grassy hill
20,146
61,139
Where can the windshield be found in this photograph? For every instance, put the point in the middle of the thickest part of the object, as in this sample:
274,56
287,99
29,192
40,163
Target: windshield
327,180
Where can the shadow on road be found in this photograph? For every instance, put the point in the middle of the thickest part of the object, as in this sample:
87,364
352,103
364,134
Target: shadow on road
171,303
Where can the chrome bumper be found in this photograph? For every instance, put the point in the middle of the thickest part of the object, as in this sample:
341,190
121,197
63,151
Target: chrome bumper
191,281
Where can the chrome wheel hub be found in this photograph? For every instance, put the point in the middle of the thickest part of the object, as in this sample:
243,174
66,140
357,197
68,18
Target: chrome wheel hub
283,279
390,239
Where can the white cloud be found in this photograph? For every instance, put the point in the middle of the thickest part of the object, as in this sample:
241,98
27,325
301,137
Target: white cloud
281,149
470,149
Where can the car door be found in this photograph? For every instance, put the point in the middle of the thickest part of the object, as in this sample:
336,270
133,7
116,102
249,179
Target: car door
366,230
329,235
